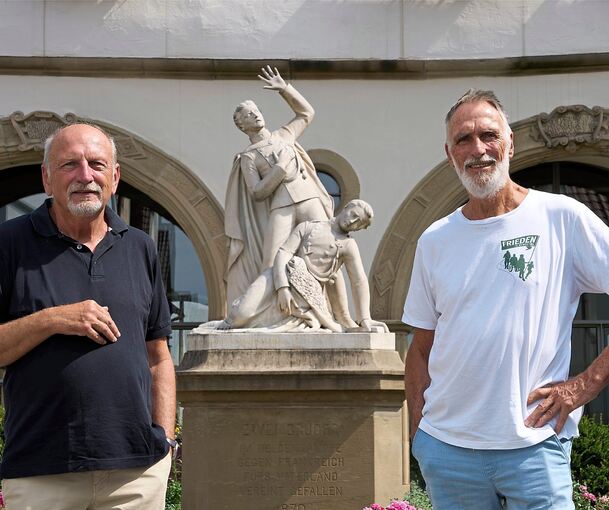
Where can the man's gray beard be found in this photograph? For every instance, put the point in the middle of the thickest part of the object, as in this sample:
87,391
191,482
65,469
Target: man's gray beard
85,209
488,184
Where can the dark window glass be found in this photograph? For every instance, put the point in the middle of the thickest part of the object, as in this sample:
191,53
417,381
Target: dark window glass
331,185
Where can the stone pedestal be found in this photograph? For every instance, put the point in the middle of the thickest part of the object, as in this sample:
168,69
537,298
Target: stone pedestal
292,421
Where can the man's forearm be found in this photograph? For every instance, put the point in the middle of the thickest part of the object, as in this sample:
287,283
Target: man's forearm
20,336
416,375
596,376
163,388
301,107
416,381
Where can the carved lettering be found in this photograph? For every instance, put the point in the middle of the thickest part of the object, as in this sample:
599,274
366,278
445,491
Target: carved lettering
286,460
319,490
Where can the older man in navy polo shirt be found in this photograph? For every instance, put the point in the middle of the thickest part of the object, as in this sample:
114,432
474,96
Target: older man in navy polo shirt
90,385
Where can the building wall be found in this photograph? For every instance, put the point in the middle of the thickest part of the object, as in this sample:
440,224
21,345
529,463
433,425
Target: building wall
387,125
303,29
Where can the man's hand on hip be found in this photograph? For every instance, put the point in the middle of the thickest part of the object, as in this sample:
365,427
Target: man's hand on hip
557,401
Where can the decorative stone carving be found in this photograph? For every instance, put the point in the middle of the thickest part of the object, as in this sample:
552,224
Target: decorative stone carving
34,128
384,278
128,148
571,126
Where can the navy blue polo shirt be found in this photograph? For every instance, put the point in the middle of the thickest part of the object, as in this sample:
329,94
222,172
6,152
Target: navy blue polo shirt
72,404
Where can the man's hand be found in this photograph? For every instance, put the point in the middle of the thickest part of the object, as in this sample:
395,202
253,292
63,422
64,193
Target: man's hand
273,79
557,401
86,318
285,300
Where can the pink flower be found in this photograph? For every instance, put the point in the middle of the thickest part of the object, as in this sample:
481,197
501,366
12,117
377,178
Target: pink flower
400,505
374,506
1,499
590,496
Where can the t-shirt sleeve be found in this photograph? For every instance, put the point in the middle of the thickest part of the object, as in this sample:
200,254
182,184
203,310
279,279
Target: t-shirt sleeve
590,252
159,319
420,307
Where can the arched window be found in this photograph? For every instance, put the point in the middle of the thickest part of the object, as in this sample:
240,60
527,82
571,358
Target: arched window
180,267
589,185
337,176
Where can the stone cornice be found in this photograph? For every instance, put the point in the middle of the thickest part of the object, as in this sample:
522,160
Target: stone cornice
209,69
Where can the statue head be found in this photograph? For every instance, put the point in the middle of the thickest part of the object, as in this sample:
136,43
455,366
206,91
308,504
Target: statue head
247,117
356,215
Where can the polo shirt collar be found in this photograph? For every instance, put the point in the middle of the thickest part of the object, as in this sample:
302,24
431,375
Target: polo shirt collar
44,225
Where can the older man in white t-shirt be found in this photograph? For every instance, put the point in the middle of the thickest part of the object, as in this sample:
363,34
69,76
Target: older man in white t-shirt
494,289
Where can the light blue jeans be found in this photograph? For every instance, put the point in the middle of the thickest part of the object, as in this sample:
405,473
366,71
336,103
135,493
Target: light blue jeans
535,477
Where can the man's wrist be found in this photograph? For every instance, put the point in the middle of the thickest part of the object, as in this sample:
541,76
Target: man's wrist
174,445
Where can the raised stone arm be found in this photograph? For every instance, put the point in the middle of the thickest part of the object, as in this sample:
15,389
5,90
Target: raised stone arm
301,107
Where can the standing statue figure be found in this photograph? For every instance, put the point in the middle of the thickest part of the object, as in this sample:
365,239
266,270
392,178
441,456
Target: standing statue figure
272,187
300,291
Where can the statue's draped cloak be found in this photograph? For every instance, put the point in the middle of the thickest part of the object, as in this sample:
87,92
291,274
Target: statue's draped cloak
245,223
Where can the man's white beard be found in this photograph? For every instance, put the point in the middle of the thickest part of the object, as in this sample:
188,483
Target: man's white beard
485,183
85,209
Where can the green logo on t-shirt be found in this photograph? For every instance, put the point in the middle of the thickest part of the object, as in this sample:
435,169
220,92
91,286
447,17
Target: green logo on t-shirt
518,256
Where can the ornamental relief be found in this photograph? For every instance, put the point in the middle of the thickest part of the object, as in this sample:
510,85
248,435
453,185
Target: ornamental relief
34,128
571,127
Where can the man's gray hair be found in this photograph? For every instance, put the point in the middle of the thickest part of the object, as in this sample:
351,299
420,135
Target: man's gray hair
48,143
240,107
475,95
364,206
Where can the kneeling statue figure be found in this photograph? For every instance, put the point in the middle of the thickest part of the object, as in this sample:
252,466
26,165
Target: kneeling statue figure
299,291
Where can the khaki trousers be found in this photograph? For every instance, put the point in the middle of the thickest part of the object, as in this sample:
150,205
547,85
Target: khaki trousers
140,488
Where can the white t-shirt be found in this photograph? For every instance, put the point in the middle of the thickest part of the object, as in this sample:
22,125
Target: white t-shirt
501,294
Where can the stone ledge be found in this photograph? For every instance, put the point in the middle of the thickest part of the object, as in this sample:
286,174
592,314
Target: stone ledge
252,340
302,69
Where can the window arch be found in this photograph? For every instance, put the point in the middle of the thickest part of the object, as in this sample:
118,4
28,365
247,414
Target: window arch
568,135
340,174
590,185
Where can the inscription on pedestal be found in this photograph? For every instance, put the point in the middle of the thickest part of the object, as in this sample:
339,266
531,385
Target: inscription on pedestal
302,459
273,458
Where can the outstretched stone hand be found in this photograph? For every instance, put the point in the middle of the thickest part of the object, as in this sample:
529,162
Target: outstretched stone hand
273,79
368,325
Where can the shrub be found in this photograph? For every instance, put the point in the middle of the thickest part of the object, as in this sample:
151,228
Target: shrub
585,500
417,495
415,499
590,455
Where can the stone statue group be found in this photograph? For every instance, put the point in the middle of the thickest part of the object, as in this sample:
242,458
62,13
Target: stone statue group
286,248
